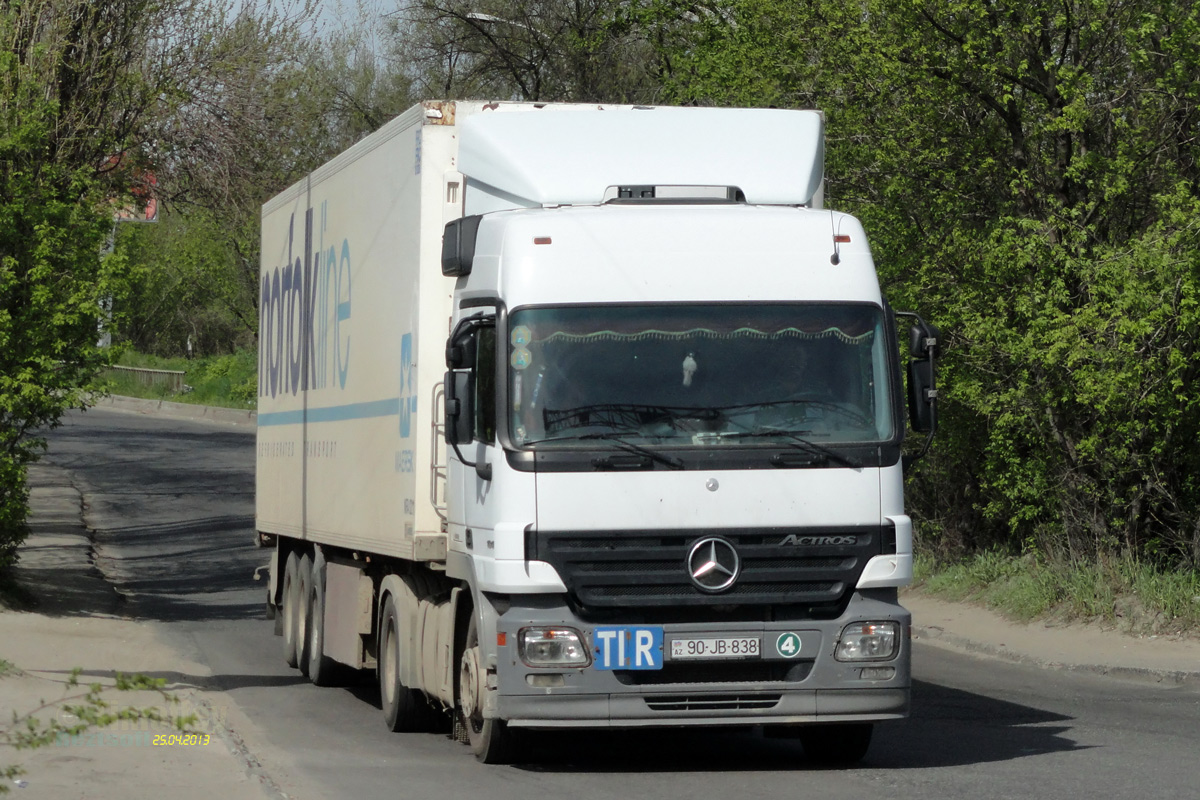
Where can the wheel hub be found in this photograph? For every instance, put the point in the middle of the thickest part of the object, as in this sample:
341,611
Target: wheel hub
469,690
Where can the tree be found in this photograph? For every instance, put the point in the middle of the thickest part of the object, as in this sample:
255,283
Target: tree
1028,171
90,94
62,77
274,104
589,51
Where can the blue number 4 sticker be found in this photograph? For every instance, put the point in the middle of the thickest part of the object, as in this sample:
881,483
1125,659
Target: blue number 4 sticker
622,647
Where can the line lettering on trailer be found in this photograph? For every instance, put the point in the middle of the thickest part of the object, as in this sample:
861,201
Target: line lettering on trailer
624,647
305,312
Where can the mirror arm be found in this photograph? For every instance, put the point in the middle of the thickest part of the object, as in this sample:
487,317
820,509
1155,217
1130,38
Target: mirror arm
482,468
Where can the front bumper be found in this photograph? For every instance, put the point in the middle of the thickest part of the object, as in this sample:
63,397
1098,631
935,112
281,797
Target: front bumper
719,708
809,688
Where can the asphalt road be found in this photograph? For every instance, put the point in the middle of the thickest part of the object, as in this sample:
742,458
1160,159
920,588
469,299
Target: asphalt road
172,504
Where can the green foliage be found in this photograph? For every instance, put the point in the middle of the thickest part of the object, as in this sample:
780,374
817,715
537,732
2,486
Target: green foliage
275,106
1136,596
13,499
94,99
1029,178
54,221
189,285
229,381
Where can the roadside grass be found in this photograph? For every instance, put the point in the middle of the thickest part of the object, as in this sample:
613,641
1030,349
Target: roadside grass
1129,595
229,381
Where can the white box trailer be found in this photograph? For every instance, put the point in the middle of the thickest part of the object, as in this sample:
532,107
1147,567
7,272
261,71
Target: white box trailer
588,416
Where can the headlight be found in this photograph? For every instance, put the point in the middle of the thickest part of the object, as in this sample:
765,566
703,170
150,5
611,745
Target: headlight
869,641
552,647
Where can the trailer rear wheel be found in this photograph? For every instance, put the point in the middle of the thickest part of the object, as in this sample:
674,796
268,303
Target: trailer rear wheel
322,670
492,741
303,617
404,708
837,745
291,603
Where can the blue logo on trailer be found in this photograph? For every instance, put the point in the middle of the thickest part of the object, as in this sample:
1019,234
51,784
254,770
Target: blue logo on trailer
408,387
306,314
623,647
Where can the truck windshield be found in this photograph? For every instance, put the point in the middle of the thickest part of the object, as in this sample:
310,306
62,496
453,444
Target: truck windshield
699,375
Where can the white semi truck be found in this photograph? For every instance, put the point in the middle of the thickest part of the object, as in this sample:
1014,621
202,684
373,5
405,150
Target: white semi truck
588,417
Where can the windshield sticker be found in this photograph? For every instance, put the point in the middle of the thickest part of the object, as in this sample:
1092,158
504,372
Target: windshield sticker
521,358
520,336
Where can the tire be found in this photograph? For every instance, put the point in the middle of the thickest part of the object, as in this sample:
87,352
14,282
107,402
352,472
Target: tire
291,605
322,670
404,709
492,741
303,618
837,745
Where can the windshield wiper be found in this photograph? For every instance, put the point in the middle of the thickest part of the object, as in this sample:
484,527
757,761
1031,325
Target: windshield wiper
647,455
849,413
626,416
800,443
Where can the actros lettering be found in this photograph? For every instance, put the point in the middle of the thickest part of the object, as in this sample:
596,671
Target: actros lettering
304,314
817,541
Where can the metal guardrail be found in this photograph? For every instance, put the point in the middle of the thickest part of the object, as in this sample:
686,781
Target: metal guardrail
171,379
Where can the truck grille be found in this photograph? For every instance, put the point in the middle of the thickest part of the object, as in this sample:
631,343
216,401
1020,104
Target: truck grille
713,702
648,569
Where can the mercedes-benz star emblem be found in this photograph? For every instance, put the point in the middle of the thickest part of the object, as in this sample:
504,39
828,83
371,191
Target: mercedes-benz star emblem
713,564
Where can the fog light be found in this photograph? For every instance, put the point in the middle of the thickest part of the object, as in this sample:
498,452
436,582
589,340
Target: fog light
553,647
869,641
877,673
546,680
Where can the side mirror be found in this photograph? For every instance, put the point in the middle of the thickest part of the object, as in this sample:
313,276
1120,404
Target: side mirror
458,246
459,407
924,341
925,347
922,396
460,352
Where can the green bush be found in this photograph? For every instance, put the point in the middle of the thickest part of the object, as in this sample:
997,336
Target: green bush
1135,595
230,381
13,498
1042,214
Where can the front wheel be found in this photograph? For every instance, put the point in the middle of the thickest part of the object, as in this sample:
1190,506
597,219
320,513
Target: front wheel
836,745
492,741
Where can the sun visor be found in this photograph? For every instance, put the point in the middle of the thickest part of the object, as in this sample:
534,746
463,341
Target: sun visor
571,156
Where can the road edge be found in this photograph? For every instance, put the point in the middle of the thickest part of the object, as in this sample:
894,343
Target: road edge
165,408
994,648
